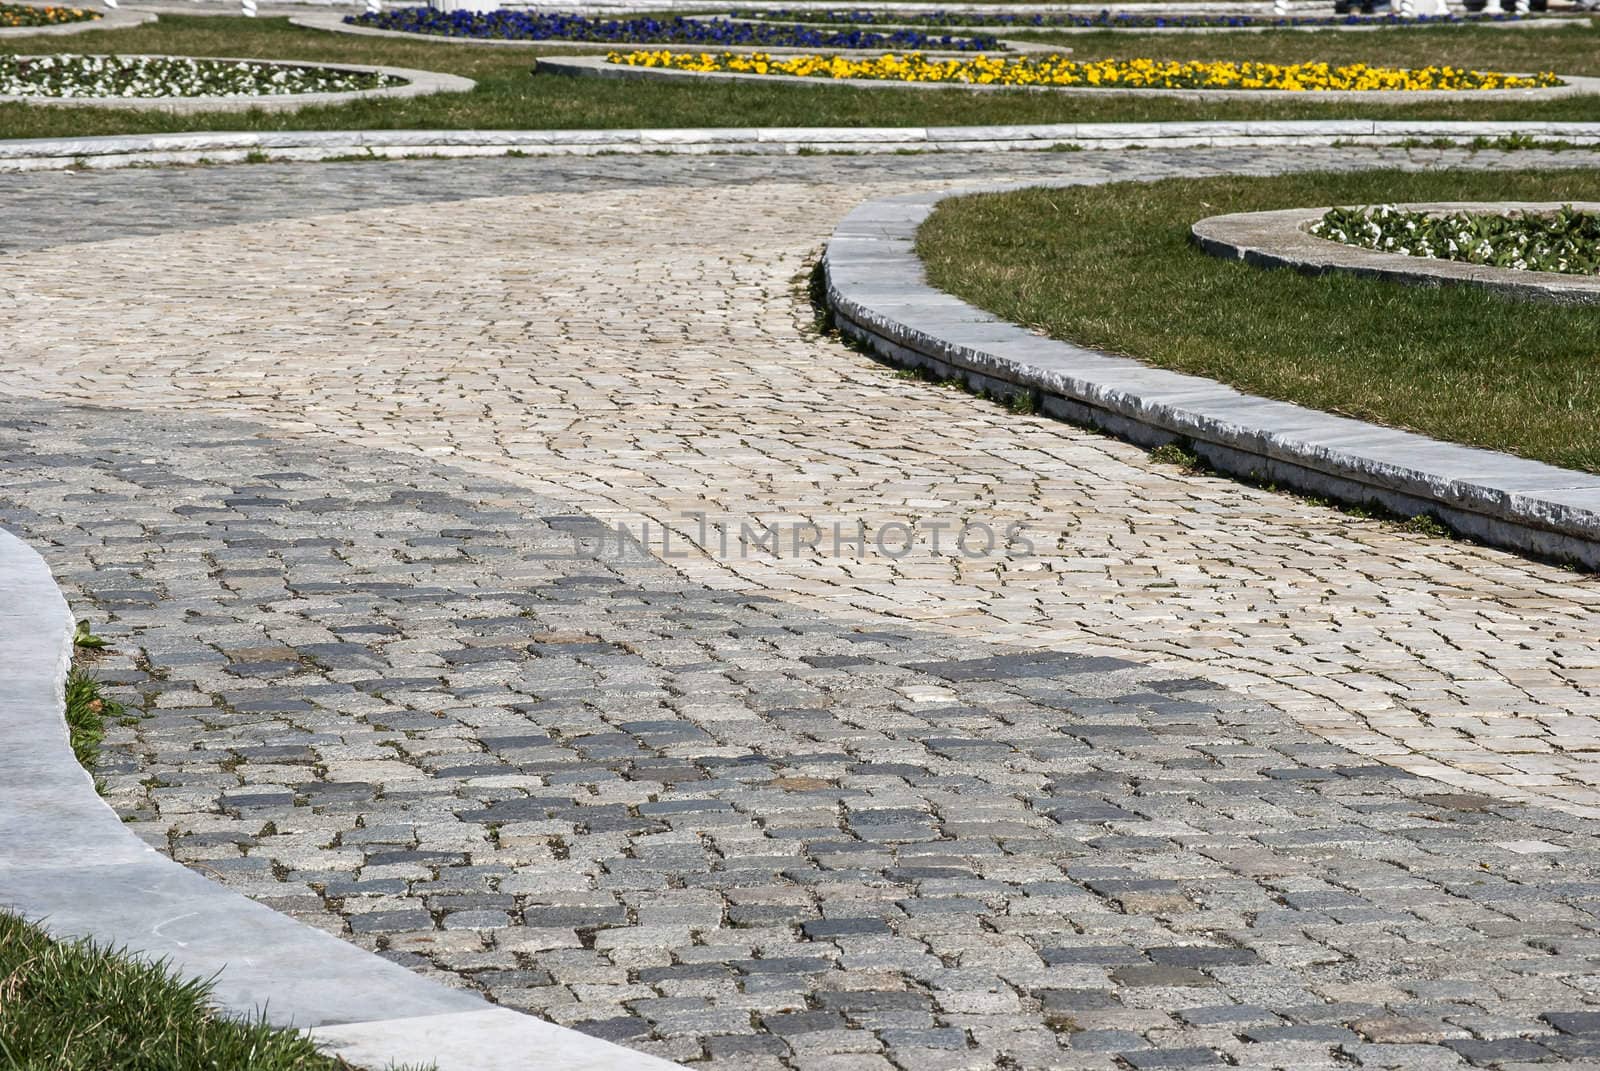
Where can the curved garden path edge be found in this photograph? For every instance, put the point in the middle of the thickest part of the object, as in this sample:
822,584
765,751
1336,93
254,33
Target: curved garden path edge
877,291
110,151
70,865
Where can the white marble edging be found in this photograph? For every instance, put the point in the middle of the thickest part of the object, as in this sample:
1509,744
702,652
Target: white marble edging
417,84
877,290
69,864
1280,240
110,151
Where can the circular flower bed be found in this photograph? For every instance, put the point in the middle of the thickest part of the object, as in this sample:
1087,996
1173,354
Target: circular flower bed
537,26
1055,70
17,16
1566,241
172,76
1103,20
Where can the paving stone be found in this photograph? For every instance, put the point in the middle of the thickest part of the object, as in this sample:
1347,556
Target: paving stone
720,805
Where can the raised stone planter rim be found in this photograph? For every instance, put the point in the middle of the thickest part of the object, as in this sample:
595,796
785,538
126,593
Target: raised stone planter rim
877,291
1280,239
417,83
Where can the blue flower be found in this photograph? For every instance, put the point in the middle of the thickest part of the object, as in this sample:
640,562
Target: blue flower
1100,20
537,26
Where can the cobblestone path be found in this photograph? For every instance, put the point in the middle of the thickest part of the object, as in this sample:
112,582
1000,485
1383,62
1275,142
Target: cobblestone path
759,811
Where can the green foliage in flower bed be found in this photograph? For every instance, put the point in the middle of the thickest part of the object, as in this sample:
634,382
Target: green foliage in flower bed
1113,267
171,76
1566,241
78,1006
16,16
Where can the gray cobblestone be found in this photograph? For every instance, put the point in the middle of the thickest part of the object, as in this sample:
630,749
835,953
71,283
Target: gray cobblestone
715,824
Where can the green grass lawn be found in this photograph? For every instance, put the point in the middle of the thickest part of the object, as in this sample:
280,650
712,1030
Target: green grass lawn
76,1006
509,97
1112,267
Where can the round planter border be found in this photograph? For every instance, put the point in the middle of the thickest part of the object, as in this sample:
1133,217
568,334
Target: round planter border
597,67
1279,239
417,84
110,19
876,288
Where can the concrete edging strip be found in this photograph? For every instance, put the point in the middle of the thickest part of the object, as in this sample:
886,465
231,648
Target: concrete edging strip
879,295
1280,240
68,863
417,84
43,154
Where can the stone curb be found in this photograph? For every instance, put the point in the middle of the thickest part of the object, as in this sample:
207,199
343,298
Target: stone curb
334,23
44,154
68,863
418,84
1280,240
117,19
597,67
879,296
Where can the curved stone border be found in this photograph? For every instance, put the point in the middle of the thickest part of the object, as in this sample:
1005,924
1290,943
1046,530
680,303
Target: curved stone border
1280,240
336,24
68,863
879,296
113,19
48,154
418,84
597,67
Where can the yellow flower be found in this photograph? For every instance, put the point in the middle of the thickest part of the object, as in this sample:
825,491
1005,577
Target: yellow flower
1056,70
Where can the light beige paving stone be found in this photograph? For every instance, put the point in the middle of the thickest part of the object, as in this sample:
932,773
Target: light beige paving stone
643,357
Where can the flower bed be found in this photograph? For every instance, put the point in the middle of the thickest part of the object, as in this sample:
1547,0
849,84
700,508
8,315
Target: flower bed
18,16
67,76
1566,241
536,26
1103,20
1056,70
